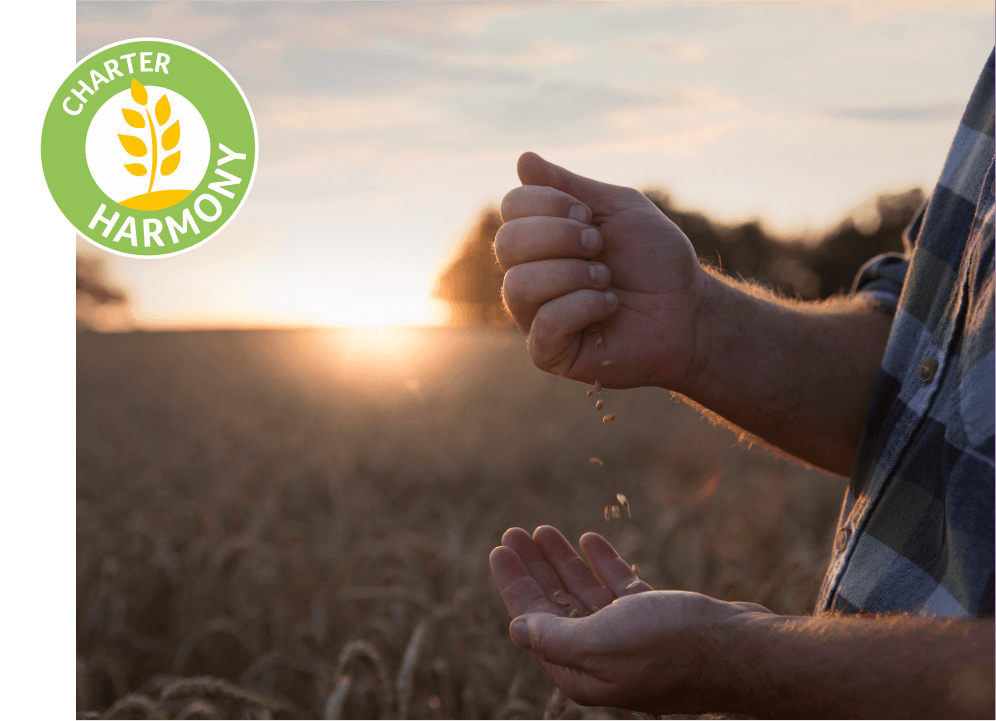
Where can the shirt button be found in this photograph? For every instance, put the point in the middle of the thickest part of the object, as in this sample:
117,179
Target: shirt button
927,369
843,536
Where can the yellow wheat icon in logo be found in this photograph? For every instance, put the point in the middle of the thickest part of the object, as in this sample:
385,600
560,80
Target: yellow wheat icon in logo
136,147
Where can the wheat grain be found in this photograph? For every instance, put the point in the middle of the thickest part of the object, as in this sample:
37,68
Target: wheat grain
599,404
632,584
556,593
595,461
635,569
596,609
573,613
565,604
607,362
608,418
598,342
598,386
624,503
589,393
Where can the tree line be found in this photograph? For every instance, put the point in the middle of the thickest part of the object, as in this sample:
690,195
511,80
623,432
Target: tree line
471,282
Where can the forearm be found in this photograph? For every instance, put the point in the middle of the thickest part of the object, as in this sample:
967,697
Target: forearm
799,376
847,667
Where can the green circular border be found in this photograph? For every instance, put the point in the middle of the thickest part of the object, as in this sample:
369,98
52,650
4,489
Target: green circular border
192,74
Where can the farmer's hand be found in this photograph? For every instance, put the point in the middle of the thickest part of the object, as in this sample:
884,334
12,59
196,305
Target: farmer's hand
650,651
633,270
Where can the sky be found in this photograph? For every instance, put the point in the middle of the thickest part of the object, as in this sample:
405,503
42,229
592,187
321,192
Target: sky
385,128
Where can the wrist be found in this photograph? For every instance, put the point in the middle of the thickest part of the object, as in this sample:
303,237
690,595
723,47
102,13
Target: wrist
705,328
736,651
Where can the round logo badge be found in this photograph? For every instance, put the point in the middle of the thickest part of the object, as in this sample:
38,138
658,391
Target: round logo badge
149,148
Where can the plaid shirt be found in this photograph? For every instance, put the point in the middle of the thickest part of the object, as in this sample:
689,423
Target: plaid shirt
916,528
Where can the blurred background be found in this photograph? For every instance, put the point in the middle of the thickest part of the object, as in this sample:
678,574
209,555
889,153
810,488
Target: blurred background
297,444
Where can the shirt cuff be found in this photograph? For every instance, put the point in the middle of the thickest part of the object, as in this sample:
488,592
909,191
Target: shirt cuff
882,277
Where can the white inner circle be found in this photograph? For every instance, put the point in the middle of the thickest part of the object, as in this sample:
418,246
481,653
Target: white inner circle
106,157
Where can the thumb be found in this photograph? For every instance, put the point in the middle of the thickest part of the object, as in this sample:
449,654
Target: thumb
534,170
554,639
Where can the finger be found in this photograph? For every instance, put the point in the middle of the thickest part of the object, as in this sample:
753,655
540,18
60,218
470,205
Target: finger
574,573
530,285
540,237
614,573
539,567
550,342
519,590
534,170
529,200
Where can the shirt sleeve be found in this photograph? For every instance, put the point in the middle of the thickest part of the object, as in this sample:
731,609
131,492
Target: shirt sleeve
883,276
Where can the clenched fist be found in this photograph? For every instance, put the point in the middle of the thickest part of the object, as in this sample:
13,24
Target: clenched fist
577,252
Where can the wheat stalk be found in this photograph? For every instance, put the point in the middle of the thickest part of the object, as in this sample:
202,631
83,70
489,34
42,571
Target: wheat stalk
337,700
217,688
556,704
404,682
351,652
132,703
199,709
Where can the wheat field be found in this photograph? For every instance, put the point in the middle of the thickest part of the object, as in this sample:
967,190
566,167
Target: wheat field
296,523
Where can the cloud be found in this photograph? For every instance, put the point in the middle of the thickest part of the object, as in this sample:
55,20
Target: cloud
900,113
664,140
333,114
197,24
862,12
660,47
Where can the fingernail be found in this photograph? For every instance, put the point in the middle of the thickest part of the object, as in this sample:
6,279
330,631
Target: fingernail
589,239
610,298
578,213
519,633
599,273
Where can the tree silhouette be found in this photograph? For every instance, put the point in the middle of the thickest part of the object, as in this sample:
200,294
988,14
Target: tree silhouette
805,270
93,294
471,284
